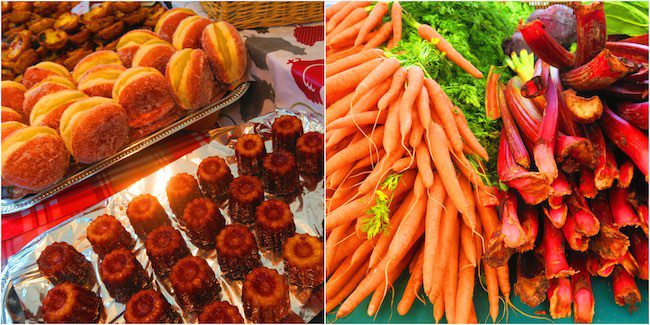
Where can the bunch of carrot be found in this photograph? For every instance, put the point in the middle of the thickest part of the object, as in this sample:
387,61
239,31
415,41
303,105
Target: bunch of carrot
402,191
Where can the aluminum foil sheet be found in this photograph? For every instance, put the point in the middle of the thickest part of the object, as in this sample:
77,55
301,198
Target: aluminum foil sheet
24,288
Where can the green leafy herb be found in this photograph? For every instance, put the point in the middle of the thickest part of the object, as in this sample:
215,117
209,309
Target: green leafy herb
626,17
379,214
523,64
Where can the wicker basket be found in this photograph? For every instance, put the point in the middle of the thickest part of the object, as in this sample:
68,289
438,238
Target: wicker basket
253,14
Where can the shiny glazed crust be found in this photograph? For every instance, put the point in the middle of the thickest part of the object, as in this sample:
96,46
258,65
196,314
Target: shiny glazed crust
303,260
145,95
188,32
203,221
194,283
281,173
273,224
285,132
122,274
215,177
149,306
250,152
13,94
181,190
36,163
189,75
310,153
265,296
60,262
165,246
70,303
155,55
220,312
42,70
169,21
94,59
245,194
226,51
145,214
106,234
237,251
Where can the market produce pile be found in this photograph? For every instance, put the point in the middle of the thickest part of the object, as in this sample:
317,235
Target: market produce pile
421,174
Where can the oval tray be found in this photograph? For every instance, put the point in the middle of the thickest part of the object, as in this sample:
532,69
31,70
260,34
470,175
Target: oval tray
11,206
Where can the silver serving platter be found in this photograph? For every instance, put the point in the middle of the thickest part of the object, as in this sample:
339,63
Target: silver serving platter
26,202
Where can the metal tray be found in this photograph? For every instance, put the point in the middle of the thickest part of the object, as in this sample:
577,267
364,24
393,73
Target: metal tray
15,205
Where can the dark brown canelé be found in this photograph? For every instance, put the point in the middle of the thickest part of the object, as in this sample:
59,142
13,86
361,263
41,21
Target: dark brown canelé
149,306
285,132
265,296
106,233
165,246
203,221
281,173
273,224
303,260
145,214
71,303
245,194
60,262
214,177
310,154
122,274
250,151
181,189
237,252
194,283
220,312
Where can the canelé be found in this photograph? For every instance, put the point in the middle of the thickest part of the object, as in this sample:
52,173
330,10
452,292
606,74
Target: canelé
106,233
265,296
310,153
60,262
281,173
220,312
203,221
70,303
250,152
245,194
194,283
273,224
303,260
181,189
122,274
145,214
237,252
149,306
285,131
165,246
214,177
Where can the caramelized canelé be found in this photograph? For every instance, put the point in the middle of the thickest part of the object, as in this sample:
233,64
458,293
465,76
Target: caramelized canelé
281,173
273,224
285,132
236,251
122,274
60,262
265,296
203,221
70,303
106,233
220,312
149,306
214,177
194,283
303,260
181,190
310,153
245,194
145,214
165,246
250,151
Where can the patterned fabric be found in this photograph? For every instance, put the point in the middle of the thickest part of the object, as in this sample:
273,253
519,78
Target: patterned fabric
286,65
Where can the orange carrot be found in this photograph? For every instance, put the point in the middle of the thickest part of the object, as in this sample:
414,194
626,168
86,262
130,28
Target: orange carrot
428,33
373,20
503,276
338,136
435,201
416,129
396,18
381,36
347,289
450,289
438,309
352,61
468,135
396,86
385,238
338,109
382,72
449,225
424,164
344,12
343,83
333,9
472,315
369,100
465,293
413,285
443,106
415,78
471,221
346,37
338,279
347,247
403,164
333,240
357,15
382,289
492,285
467,241
424,108
364,118
355,151
341,54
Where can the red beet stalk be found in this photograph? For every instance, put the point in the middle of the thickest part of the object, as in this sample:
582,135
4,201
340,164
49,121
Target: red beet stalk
573,152
560,188
560,297
523,110
610,243
602,71
635,113
587,184
641,39
577,241
626,137
545,143
591,31
530,225
606,171
642,212
623,213
544,45
516,144
636,92
557,216
555,263
625,289
626,174
514,235
586,222
598,266
640,76
583,295
639,250
630,51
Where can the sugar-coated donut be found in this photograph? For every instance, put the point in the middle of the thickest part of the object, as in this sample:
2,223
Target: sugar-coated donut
169,21
128,44
10,127
94,128
42,70
13,94
93,60
9,114
50,84
99,80
145,94
153,54
33,158
226,51
47,111
188,72
188,33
